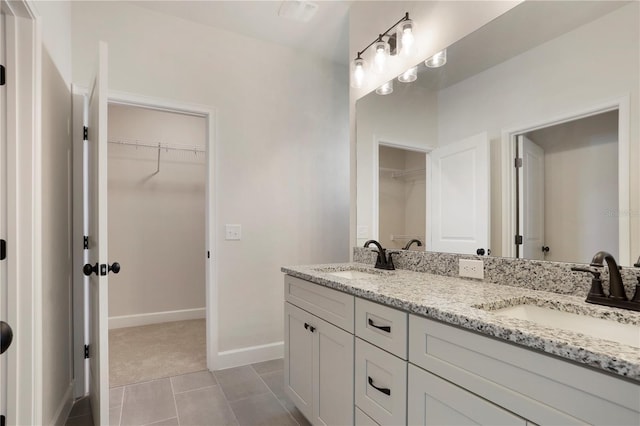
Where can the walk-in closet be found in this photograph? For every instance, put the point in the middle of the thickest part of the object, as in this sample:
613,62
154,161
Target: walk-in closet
156,192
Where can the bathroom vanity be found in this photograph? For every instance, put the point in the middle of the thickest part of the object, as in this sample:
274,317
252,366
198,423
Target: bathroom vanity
371,347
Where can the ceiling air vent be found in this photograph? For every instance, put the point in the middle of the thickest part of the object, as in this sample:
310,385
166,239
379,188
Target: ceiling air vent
301,11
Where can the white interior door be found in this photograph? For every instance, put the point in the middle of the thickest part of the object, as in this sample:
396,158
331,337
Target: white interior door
531,199
98,254
459,196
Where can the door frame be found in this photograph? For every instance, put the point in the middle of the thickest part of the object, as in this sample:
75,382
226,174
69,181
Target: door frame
211,289
375,179
622,104
24,211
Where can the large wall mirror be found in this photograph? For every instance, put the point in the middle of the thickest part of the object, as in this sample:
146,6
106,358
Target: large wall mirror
520,145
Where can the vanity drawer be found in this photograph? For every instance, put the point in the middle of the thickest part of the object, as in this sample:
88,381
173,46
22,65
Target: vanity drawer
331,305
381,384
383,326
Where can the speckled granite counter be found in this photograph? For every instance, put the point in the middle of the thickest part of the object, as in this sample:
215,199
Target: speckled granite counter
468,304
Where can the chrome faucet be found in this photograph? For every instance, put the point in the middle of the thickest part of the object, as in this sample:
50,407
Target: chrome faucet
617,297
382,262
415,240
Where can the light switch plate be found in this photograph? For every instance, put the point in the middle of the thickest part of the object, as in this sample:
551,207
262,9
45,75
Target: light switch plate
471,268
233,232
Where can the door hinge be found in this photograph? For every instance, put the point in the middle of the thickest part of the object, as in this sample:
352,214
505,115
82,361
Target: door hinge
3,249
86,351
3,79
85,133
208,254
85,243
518,162
518,240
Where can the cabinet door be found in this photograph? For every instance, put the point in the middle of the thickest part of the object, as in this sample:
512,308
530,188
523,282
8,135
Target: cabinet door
434,401
332,375
298,358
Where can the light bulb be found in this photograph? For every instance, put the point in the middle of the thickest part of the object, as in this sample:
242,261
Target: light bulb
380,56
437,60
386,88
407,38
357,81
409,75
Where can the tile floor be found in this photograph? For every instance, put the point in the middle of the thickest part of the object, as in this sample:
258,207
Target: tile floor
249,395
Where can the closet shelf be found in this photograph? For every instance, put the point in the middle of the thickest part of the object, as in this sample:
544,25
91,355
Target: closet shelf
163,146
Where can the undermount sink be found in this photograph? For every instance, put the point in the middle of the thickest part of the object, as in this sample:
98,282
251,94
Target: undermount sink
352,272
627,334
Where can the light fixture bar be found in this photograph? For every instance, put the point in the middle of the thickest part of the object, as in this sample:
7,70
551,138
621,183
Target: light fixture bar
404,18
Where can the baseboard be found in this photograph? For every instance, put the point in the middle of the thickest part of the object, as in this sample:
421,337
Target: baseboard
250,355
155,318
62,413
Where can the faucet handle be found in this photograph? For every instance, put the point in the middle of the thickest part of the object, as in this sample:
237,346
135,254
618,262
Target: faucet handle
596,282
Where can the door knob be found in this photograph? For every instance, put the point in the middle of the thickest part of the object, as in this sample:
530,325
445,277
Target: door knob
6,336
89,269
114,267
545,249
480,252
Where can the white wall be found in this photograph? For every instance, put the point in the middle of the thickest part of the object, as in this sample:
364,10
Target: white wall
580,187
56,207
281,156
439,24
156,220
585,67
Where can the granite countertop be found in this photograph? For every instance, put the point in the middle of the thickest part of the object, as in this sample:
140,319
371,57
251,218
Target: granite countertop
468,304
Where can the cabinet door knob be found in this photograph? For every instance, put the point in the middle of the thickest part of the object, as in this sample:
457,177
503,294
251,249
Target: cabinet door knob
385,391
306,326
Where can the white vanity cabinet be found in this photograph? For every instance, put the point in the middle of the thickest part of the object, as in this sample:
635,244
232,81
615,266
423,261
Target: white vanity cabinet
318,361
504,377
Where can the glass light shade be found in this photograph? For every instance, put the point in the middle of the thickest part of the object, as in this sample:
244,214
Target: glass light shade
409,75
406,36
437,60
358,74
381,54
386,88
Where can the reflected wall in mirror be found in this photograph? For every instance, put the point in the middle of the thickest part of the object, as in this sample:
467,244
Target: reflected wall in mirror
568,84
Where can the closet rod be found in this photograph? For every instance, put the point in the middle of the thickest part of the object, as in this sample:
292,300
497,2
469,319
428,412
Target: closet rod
137,144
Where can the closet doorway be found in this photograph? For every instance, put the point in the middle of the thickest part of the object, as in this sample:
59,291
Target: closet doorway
157,173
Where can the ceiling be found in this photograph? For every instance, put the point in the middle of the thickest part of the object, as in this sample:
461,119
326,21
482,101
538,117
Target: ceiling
326,34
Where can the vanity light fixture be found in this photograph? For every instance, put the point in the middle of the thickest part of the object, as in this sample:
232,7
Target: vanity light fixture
386,88
386,44
409,75
437,60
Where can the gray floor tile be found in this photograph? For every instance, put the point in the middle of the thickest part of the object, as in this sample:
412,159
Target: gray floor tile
115,413
261,410
115,396
81,407
85,420
240,382
204,407
293,410
275,381
168,422
191,381
148,402
269,366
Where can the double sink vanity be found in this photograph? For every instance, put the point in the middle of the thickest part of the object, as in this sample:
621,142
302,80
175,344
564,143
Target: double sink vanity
410,346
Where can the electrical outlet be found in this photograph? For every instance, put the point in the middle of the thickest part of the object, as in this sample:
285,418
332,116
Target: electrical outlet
233,232
471,268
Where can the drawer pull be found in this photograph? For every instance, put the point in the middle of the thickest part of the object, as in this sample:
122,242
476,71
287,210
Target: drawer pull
385,391
380,327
